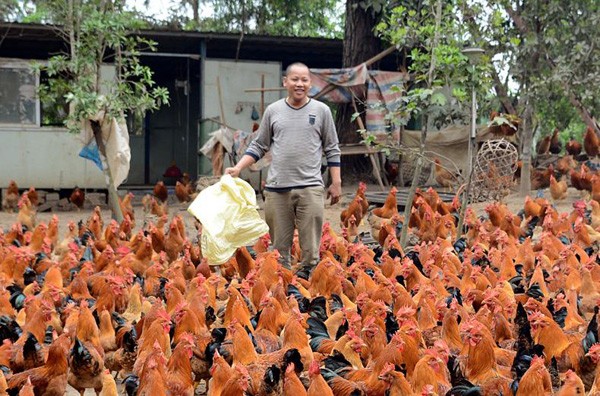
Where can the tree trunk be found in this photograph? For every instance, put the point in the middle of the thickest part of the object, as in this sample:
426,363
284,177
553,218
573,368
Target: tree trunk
360,44
113,197
526,154
196,9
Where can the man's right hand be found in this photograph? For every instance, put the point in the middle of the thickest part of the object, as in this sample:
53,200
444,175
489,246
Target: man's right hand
234,172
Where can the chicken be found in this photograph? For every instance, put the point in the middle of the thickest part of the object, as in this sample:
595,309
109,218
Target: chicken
179,369
357,208
390,207
181,192
318,386
543,146
591,143
86,360
573,147
541,178
555,143
127,207
158,209
572,385
565,164
558,190
291,383
51,378
160,191
392,170
33,196
77,198
27,215
536,380
442,176
11,198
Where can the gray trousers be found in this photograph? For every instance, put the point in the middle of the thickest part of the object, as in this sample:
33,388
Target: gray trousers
302,208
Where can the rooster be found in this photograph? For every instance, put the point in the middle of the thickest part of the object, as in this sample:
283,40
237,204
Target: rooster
51,378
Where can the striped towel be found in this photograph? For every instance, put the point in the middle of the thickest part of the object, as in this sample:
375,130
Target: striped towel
381,100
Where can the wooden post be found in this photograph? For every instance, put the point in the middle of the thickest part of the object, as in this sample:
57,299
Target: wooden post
262,94
527,133
376,170
218,146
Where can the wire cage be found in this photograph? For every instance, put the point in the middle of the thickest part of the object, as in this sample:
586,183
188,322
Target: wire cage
495,166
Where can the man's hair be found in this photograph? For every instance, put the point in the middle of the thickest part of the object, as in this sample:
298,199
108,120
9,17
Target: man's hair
288,70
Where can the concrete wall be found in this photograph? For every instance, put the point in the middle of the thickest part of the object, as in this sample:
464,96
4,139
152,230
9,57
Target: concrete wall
234,78
45,158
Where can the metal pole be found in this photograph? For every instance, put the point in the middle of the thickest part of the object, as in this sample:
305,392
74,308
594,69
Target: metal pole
471,149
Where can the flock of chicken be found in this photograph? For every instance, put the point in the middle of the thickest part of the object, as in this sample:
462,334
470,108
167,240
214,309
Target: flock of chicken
508,308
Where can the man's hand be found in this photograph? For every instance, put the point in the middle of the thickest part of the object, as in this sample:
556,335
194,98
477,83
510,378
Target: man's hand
335,193
234,172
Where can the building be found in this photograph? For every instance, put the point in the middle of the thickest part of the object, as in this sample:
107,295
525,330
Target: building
187,63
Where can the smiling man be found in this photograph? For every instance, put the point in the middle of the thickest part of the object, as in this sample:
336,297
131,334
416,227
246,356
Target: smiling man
297,130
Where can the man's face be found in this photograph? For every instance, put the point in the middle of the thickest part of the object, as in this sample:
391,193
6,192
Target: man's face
297,83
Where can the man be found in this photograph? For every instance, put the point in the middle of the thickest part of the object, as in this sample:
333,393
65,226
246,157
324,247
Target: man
297,130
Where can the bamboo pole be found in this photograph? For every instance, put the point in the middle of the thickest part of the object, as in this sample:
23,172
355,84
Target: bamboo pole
376,170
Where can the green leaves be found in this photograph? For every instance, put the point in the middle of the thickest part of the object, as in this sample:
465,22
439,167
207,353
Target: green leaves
104,39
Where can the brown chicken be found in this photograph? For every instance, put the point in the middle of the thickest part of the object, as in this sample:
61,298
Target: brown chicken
565,164
591,143
558,189
555,143
540,179
573,147
11,198
392,170
443,177
77,198
543,146
160,191
33,197
127,207
51,378
86,360
27,215
181,192
536,380
390,207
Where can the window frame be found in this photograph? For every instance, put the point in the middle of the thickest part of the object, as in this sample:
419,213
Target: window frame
12,63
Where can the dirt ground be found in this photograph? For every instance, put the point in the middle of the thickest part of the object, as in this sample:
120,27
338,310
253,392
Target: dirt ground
332,214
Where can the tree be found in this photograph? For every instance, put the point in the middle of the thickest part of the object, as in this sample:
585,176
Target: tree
98,31
360,44
433,37
272,17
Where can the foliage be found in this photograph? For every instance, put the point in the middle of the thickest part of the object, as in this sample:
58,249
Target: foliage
444,87
99,32
317,18
550,56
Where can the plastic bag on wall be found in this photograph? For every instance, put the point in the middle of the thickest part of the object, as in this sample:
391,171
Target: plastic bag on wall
229,217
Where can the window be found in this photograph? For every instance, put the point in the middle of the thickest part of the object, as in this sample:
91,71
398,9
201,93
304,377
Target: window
18,100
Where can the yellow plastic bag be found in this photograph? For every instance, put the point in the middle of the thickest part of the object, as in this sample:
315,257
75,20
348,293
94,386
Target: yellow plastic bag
229,217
